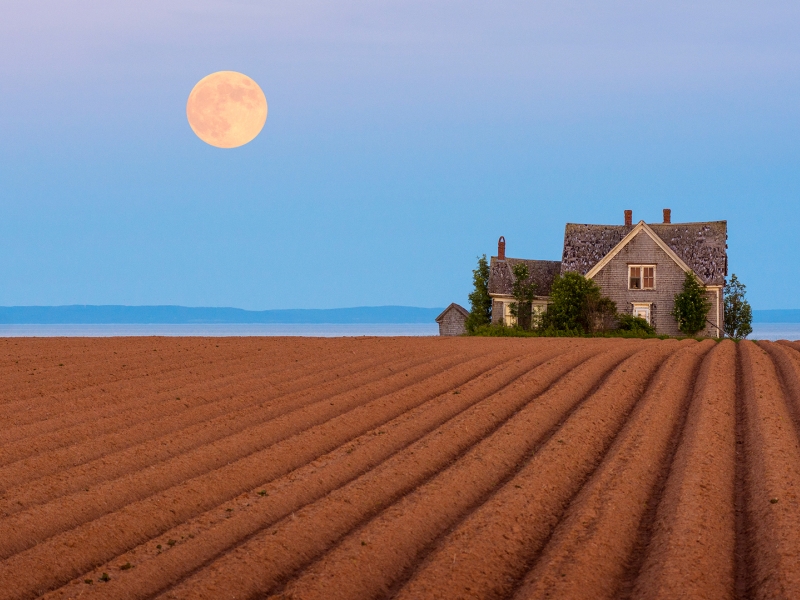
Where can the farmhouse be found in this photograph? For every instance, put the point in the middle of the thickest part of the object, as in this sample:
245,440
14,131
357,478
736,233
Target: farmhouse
640,267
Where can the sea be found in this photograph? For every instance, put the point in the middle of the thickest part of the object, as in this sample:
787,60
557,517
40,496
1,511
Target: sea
761,331
221,329
775,331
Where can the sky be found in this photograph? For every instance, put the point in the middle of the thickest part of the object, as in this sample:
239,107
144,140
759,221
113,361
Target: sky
403,138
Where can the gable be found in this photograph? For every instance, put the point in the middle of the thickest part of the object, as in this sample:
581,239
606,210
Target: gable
453,308
651,245
700,246
640,248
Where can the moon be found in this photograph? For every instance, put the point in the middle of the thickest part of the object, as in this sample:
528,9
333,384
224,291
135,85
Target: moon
226,109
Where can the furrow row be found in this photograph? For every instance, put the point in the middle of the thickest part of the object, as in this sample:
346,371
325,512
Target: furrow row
204,538
346,518
592,546
773,479
485,554
144,519
63,415
104,456
45,520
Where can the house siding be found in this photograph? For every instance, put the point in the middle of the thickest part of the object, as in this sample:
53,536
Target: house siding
613,280
497,311
453,323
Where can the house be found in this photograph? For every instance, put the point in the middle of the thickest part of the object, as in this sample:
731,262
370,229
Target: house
640,267
453,320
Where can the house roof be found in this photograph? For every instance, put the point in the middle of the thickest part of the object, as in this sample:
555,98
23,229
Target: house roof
702,246
453,306
542,272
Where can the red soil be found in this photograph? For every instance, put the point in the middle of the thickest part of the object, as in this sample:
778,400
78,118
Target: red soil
398,467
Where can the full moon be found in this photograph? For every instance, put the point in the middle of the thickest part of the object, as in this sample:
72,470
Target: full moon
226,109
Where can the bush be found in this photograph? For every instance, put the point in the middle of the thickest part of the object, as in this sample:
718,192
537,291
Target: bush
691,306
523,291
500,330
480,302
634,324
738,314
578,305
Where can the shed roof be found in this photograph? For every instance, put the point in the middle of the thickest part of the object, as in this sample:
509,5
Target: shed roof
453,306
702,246
542,272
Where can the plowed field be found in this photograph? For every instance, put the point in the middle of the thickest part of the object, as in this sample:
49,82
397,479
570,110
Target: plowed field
399,468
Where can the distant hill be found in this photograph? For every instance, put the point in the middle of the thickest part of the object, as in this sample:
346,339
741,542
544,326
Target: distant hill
791,315
86,314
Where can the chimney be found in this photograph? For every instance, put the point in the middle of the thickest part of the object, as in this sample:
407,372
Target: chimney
667,215
501,248
628,218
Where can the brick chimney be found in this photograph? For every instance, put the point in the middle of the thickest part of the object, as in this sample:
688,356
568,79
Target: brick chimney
501,248
667,216
628,218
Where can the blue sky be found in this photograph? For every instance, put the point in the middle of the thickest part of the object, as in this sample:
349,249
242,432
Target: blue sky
403,138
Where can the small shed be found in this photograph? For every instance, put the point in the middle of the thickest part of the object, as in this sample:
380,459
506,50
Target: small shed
453,320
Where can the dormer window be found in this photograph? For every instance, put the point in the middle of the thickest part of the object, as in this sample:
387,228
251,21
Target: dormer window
641,277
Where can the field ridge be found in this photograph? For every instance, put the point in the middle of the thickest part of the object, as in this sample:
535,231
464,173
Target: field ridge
398,468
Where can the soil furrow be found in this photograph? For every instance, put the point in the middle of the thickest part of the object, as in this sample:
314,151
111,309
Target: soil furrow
42,521
46,402
213,534
206,372
788,363
252,567
692,551
116,410
137,522
773,479
591,546
743,556
489,551
52,474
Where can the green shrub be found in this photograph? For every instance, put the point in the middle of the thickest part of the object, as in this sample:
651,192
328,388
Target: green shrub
626,322
480,302
523,292
691,306
578,305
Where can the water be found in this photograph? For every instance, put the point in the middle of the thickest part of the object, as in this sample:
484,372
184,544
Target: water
775,331
761,331
222,329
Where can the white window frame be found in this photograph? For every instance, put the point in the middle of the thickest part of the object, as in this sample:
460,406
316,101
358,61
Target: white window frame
641,277
648,306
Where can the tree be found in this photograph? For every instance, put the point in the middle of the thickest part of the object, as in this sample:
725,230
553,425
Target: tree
738,314
578,305
523,292
691,306
480,302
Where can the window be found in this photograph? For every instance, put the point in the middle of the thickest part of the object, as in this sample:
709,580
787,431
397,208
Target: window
641,277
641,309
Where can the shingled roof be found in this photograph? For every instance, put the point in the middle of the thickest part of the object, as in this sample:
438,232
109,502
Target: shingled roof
702,246
542,272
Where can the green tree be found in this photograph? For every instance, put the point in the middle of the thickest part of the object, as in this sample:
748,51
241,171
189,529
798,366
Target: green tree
480,302
691,306
738,314
523,292
577,305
